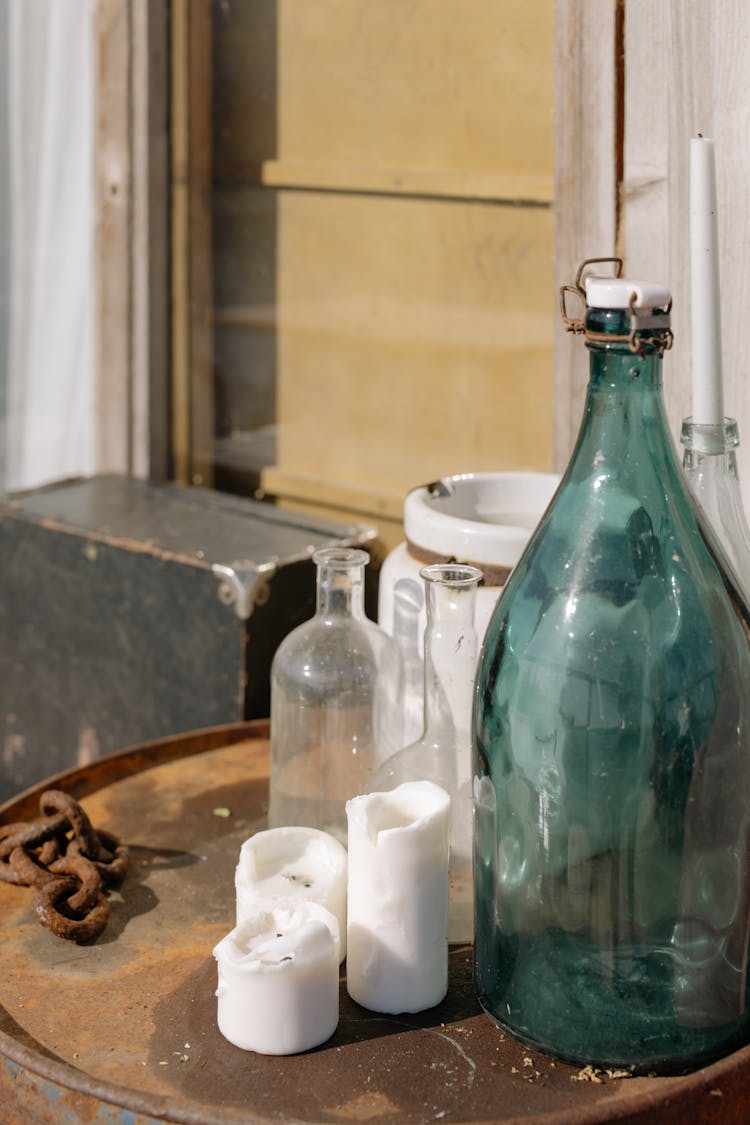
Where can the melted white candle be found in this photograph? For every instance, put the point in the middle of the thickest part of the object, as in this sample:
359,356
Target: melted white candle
291,865
278,990
397,939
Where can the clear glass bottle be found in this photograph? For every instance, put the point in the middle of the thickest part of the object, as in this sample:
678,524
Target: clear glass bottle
335,684
443,753
612,745
710,463
408,634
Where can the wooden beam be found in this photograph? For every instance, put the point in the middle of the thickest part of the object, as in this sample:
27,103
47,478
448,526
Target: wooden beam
192,272
113,205
689,61
586,115
131,204
150,240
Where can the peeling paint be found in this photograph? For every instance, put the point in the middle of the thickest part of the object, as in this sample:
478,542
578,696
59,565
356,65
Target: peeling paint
88,746
14,748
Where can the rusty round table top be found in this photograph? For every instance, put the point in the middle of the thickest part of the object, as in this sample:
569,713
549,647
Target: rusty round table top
124,1030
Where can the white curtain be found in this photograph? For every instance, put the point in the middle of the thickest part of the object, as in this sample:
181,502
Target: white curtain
50,378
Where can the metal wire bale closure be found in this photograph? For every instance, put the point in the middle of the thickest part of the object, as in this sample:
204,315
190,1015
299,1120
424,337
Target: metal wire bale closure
640,322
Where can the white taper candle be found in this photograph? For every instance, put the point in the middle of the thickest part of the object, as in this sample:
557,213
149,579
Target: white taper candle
708,398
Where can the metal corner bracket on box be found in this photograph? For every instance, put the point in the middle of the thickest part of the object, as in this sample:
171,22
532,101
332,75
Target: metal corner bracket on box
245,584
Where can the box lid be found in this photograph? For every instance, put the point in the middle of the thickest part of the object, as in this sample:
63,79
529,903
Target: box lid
198,525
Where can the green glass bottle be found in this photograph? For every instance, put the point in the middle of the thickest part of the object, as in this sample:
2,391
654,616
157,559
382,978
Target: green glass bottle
612,744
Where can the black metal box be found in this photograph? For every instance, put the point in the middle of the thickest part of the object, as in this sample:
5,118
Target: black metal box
130,611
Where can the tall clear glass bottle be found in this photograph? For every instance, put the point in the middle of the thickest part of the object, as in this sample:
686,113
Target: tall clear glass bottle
710,464
612,744
408,633
443,753
335,683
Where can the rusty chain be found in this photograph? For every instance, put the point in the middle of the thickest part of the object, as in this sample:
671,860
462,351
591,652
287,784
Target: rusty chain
68,863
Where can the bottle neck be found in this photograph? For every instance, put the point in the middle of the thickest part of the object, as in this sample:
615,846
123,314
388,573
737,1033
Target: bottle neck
624,414
710,450
450,651
710,465
613,364
340,583
624,391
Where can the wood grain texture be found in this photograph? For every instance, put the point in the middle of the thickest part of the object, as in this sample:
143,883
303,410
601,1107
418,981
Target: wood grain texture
383,244
191,229
150,251
387,85
131,202
113,204
685,72
412,339
585,178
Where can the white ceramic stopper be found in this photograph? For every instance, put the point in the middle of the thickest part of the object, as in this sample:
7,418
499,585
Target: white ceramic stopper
278,990
397,940
618,292
292,865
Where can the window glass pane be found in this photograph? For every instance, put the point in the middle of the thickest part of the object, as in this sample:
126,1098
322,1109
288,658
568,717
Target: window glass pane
382,245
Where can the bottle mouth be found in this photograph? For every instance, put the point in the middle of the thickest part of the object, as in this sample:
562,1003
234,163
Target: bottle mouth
711,438
340,558
455,575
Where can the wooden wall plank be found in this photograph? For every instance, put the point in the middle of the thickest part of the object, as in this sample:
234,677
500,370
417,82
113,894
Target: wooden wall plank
113,204
585,177
191,268
413,340
363,84
149,453
131,263
686,70
437,183
383,244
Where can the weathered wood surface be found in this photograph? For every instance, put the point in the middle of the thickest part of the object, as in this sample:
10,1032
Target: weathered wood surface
683,70
131,245
585,178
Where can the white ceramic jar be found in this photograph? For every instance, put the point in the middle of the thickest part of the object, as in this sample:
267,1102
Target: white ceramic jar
485,519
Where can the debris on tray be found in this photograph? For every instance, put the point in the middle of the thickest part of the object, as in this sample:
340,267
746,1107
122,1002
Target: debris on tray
68,863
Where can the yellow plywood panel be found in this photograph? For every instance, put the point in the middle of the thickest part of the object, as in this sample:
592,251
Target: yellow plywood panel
439,182
414,338
431,83
423,89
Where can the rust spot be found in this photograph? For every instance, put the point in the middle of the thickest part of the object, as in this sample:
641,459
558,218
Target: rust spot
88,746
14,747
365,1108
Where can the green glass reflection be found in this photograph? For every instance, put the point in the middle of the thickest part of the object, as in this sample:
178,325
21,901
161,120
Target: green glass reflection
612,758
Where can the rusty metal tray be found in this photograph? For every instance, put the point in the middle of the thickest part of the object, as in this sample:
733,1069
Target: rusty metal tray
124,1030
